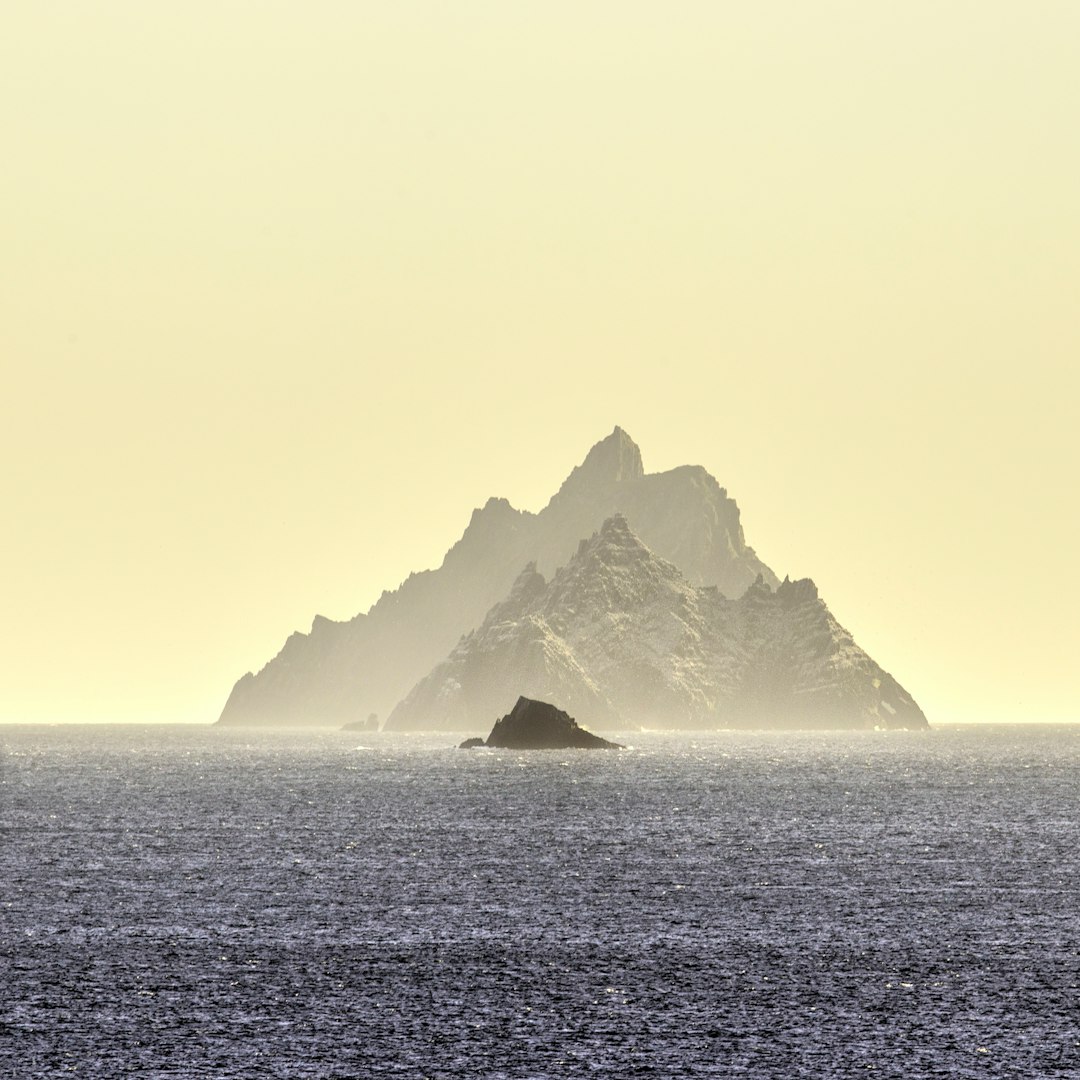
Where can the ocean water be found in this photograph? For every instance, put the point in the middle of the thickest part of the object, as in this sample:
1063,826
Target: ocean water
197,902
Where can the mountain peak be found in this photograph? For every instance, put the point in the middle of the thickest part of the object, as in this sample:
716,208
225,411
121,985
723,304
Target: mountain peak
615,532
611,461
615,458
612,571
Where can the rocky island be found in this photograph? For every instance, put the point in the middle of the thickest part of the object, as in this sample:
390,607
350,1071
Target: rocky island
538,725
632,598
620,635
339,672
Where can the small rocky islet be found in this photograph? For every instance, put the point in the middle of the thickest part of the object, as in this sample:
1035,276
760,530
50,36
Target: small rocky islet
539,725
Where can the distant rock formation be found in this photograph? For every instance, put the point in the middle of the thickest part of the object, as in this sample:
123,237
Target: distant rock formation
371,724
342,671
537,725
621,636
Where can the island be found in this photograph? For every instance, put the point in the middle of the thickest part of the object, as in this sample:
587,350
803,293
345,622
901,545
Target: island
538,725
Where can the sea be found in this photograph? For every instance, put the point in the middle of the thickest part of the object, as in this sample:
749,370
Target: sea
196,901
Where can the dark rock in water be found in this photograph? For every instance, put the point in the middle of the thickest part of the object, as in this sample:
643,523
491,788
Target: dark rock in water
471,744
370,724
536,725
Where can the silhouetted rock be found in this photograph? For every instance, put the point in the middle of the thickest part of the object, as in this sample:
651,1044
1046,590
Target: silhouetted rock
536,725
471,744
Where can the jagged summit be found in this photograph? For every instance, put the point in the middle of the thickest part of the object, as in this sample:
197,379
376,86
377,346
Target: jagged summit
488,527
613,460
342,671
622,638
614,541
796,592
616,532
613,570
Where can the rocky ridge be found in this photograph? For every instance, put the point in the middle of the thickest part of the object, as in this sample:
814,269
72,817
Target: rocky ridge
621,637
341,672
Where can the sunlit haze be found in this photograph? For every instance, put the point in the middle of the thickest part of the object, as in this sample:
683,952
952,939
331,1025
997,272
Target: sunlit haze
287,289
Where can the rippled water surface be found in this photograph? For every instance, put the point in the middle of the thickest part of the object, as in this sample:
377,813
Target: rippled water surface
184,901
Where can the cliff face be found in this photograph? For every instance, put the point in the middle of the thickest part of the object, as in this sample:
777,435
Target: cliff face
619,636
343,671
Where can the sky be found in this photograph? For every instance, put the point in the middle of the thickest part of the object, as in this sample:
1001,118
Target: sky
287,289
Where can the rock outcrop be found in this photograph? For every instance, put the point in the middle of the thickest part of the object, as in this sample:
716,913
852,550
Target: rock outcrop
370,725
620,635
340,672
537,725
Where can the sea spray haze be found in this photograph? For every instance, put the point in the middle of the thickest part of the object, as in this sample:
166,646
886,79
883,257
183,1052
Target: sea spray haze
216,902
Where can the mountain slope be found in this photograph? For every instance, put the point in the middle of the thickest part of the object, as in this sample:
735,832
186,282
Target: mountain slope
342,671
620,637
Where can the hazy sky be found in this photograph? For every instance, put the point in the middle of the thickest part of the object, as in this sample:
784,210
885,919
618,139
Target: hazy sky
286,289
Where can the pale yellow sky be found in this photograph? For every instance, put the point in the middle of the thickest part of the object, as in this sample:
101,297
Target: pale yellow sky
286,289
